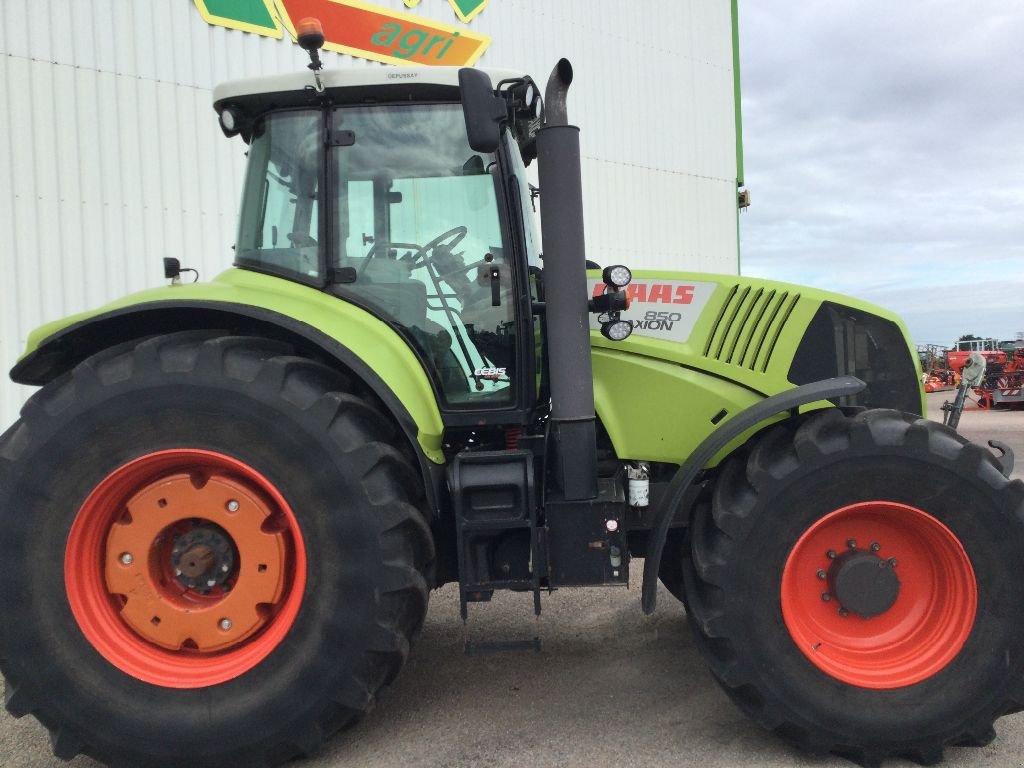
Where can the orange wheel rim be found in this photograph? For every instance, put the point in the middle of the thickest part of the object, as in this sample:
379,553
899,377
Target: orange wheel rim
185,568
909,582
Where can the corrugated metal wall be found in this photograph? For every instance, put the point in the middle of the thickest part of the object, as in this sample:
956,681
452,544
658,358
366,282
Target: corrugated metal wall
112,156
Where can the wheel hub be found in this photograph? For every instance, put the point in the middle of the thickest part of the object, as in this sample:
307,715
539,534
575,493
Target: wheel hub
863,583
203,558
176,573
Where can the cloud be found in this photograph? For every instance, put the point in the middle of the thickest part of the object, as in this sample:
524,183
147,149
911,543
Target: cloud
881,152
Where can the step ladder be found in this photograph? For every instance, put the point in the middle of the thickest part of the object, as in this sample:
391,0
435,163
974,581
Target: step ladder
496,507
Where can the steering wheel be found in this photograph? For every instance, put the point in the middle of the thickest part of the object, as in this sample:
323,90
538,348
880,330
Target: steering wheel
455,235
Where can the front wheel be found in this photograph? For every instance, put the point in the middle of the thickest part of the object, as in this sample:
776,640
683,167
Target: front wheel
213,554
853,585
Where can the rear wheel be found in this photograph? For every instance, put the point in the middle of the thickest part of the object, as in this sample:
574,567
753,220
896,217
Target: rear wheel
213,554
853,586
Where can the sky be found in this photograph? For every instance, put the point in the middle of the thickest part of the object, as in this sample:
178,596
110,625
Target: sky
884,154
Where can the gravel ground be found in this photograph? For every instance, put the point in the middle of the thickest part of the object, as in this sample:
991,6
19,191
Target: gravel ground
611,687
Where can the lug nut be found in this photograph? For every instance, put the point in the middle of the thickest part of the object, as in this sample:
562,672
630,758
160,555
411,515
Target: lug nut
892,562
826,596
126,558
225,624
875,546
843,612
822,574
232,506
851,543
831,554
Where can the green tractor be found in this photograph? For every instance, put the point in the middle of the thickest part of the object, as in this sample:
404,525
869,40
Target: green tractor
224,511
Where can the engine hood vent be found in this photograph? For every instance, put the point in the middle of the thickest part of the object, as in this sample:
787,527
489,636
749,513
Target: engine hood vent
749,326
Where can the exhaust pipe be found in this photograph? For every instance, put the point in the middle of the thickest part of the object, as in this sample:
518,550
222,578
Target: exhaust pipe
573,429
556,93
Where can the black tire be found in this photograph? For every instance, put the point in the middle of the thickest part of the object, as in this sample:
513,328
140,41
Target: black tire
333,455
769,497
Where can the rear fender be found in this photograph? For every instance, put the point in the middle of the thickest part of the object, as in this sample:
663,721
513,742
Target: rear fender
250,303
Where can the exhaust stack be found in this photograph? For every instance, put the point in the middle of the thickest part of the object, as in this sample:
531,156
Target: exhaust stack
567,316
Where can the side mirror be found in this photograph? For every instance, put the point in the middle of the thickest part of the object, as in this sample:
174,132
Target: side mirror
484,112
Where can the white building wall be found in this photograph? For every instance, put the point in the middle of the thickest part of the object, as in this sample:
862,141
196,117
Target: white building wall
111,157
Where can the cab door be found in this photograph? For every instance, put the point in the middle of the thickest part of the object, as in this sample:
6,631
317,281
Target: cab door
419,237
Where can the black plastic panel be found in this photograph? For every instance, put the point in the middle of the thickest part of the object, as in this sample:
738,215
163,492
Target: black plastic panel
841,341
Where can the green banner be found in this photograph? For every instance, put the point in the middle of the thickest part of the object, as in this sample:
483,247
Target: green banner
255,16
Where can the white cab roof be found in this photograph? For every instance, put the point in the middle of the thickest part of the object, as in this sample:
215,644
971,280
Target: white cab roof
342,78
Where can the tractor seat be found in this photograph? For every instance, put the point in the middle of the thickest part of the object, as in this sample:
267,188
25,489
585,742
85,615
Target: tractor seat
386,284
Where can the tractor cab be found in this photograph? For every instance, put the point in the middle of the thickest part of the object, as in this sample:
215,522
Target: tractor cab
404,192
383,203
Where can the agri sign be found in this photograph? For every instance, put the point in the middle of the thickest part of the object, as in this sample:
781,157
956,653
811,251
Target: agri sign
360,29
662,309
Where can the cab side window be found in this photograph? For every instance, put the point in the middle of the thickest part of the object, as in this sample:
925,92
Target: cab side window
279,228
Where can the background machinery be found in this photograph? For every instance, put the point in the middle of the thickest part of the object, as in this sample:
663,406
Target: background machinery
1003,382
224,510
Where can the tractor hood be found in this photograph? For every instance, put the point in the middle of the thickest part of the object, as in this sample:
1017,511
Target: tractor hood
705,347
766,336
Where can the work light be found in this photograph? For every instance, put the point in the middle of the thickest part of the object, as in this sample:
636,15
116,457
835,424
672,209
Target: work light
617,330
230,121
617,276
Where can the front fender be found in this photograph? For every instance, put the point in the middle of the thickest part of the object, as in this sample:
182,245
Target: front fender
239,298
790,400
656,410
